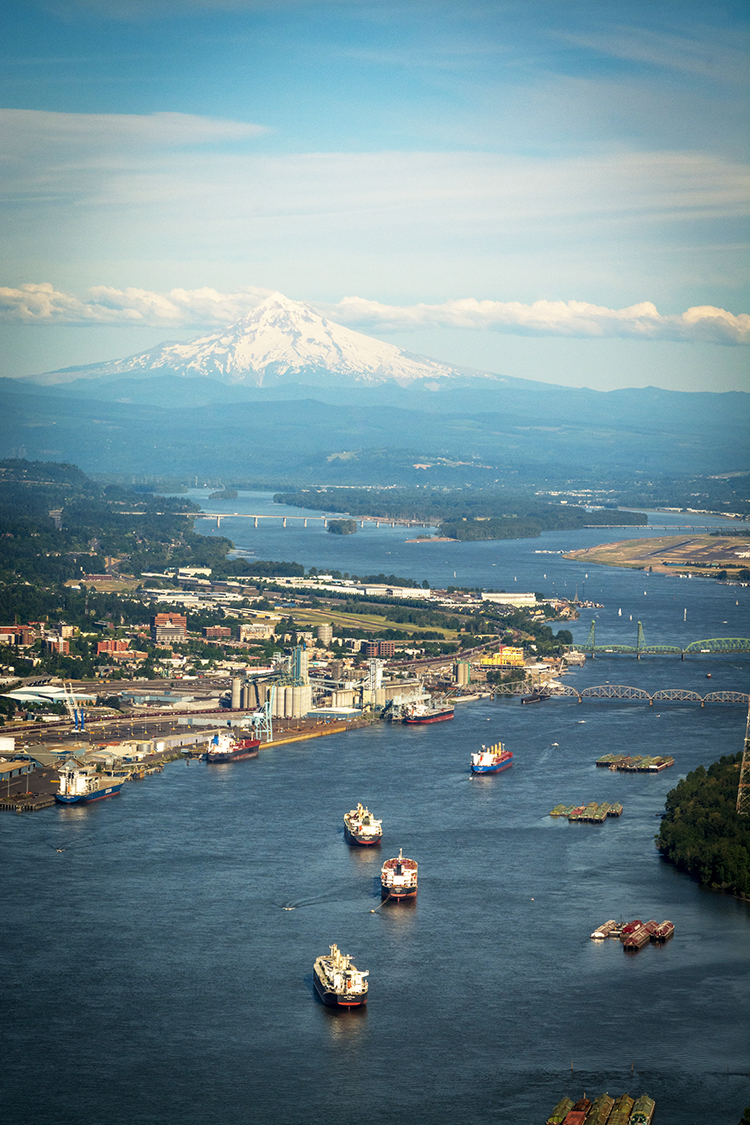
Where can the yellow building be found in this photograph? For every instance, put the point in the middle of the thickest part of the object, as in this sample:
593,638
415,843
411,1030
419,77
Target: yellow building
504,656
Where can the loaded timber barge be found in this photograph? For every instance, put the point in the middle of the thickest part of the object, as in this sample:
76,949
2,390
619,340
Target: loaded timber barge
338,982
398,879
361,827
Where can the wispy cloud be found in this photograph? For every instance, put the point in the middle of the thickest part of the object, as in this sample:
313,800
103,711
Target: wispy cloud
200,308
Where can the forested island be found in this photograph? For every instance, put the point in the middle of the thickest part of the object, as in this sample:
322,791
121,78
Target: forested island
463,514
701,832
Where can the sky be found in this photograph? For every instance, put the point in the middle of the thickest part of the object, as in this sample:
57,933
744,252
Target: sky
552,191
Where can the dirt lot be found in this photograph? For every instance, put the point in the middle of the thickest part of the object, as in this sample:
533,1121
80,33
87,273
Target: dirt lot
670,554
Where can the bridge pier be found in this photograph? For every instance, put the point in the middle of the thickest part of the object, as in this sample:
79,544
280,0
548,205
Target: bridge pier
255,520
284,522
305,523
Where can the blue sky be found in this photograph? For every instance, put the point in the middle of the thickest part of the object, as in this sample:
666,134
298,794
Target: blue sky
554,191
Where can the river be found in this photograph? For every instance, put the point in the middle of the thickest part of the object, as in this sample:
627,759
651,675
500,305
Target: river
158,947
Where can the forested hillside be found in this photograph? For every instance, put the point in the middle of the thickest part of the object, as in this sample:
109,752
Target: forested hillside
701,832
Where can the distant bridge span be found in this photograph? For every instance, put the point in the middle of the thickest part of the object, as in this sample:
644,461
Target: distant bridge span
361,520
621,691
713,646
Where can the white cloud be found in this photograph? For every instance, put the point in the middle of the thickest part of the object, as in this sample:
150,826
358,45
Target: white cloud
43,304
199,308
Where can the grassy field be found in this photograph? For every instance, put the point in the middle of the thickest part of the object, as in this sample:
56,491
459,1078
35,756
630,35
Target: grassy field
373,623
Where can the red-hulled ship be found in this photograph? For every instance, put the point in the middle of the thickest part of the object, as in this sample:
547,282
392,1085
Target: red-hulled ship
429,713
231,748
361,827
398,878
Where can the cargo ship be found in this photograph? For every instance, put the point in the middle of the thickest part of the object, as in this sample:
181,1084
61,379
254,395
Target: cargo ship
428,713
398,878
491,759
81,784
361,827
230,748
338,982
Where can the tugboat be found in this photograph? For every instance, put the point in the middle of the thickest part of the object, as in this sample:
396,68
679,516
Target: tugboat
338,982
361,827
228,748
491,759
398,878
81,784
428,713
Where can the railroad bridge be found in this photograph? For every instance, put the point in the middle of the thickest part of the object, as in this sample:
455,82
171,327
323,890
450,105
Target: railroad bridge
622,691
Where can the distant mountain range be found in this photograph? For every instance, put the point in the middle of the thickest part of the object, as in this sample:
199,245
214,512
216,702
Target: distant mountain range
284,394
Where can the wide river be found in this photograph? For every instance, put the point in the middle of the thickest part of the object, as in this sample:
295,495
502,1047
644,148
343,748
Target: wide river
158,947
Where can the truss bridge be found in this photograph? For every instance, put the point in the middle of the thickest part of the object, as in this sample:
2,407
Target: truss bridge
713,646
622,691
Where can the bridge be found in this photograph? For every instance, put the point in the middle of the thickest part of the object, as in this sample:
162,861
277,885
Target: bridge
621,691
715,646
361,520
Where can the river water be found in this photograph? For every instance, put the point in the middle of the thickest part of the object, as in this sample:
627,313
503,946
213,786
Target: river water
158,967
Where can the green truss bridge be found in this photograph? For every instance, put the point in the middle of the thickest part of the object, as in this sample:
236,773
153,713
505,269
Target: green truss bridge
622,692
714,646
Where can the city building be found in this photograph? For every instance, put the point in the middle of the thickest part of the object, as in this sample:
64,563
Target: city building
168,628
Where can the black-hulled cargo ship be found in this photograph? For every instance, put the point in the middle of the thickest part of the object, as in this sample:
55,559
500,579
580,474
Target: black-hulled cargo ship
338,982
361,827
398,879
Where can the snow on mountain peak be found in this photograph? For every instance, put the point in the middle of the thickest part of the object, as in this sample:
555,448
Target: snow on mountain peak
279,341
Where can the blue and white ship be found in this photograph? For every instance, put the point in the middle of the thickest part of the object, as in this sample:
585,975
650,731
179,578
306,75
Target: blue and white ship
80,784
491,759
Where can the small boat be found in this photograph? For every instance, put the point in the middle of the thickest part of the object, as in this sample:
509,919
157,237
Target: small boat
79,785
361,827
230,748
491,759
398,878
338,982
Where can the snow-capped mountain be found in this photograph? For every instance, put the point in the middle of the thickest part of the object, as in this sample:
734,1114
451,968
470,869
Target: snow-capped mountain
280,341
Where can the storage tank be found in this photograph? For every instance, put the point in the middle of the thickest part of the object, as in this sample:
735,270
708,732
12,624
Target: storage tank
247,700
236,693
